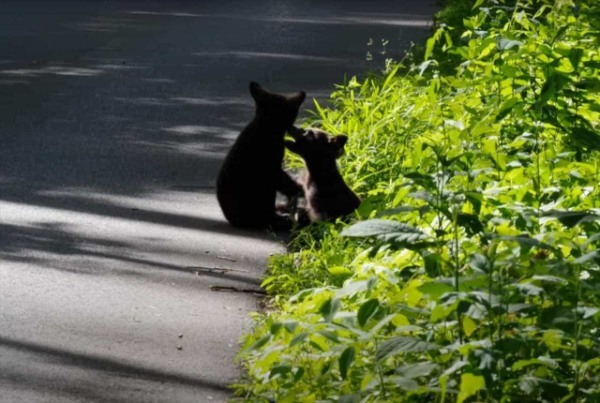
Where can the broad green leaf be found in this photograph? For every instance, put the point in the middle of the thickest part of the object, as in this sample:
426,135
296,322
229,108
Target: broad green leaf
352,288
403,344
281,370
587,312
526,241
469,325
454,368
435,289
329,309
571,218
290,326
454,123
367,310
470,222
385,230
405,383
352,398
470,385
480,262
546,361
429,47
531,385
259,343
506,44
300,337
329,335
549,279
339,271
346,359
507,108
299,373
275,327
433,262
416,370
588,257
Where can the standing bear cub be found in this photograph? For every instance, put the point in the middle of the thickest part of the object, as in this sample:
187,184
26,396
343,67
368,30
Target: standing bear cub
252,174
327,195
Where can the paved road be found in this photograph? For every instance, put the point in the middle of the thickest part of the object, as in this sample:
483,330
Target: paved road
114,117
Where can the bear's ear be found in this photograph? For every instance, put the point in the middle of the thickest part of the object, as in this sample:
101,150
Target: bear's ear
298,98
338,143
257,91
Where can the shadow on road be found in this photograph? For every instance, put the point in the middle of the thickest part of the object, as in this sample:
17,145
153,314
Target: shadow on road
61,361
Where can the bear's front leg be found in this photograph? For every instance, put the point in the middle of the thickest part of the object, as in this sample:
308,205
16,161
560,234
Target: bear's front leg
288,185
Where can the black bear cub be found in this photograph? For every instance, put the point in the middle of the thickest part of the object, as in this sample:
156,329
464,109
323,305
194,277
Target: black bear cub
327,195
252,174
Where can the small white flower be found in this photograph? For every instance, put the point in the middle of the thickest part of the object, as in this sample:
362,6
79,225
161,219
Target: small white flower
584,275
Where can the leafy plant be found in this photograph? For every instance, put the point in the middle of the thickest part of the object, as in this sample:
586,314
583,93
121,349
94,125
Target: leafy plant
474,274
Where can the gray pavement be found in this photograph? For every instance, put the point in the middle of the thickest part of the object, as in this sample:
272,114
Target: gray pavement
114,118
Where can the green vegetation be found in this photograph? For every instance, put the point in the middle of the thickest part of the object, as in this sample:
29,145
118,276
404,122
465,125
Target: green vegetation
474,273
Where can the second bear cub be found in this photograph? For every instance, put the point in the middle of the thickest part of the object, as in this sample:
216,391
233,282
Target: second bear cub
327,195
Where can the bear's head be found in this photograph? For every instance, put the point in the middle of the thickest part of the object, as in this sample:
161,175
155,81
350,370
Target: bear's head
279,110
315,144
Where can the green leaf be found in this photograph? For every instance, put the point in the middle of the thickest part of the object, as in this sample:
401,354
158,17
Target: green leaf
346,359
480,262
506,44
300,337
478,4
549,279
588,257
587,312
259,343
435,289
330,335
469,325
531,385
545,361
424,180
571,218
275,327
385,230
280,370
298,374
470,385
290,326
429,47
575,55
423,66
454,123
352,398
470,222
367,310
476,199
405,383
339,271
416,370
526,241
433,263
403,344
329,309
555,82
454,368
507,108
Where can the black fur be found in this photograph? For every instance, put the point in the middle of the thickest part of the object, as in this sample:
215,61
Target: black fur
327,195
251,173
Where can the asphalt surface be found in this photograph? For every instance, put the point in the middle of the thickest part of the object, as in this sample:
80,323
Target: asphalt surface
117,270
